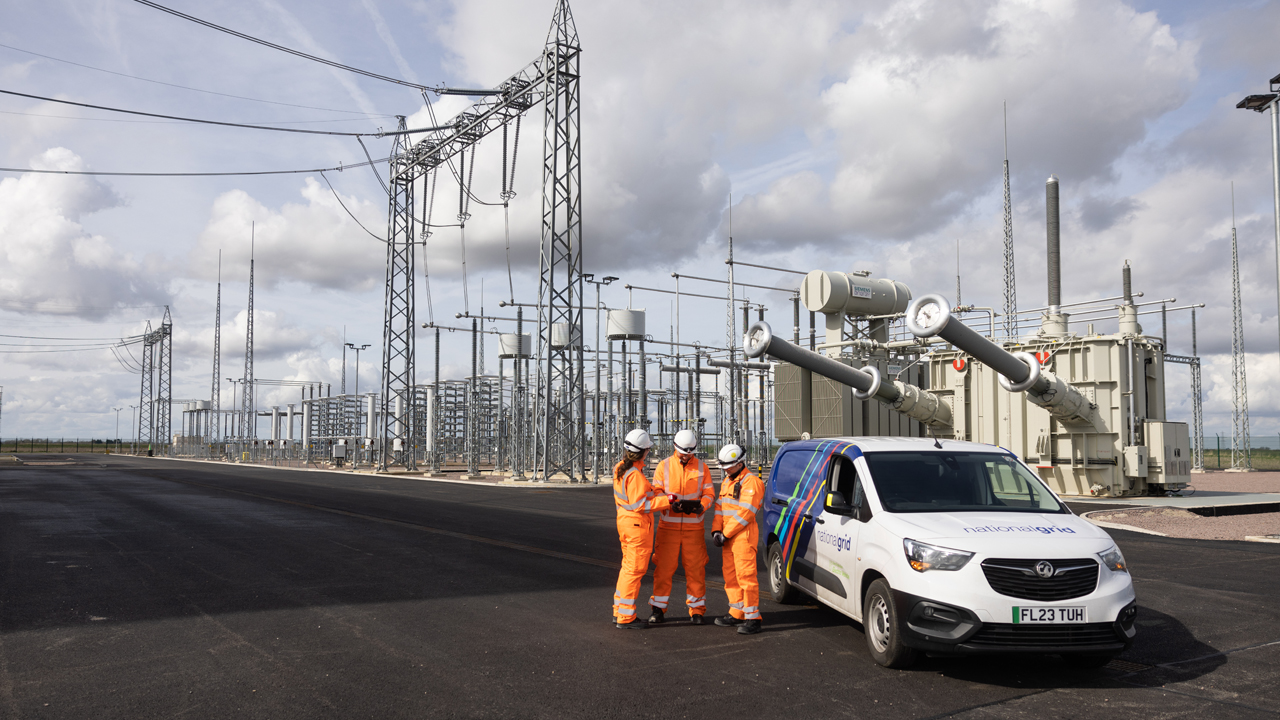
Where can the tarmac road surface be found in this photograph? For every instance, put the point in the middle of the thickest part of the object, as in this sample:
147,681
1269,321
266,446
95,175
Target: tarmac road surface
140,588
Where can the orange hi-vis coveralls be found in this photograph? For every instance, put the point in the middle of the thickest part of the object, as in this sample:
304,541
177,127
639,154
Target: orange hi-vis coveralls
636,503
736,510
681,535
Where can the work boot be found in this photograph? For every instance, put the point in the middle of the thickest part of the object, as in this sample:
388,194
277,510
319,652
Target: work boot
750,627
695,619
633,625
656,618
728,621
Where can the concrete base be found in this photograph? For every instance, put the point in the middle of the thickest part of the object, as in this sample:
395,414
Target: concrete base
1239,470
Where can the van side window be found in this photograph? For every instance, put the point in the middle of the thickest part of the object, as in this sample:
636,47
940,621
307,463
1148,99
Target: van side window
844,477
788,469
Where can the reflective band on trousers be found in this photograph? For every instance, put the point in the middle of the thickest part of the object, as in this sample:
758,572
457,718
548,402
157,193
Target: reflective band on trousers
660,602
752,613
692,601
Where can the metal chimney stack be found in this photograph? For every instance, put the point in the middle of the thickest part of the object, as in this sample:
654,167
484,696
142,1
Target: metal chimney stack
1128,313
1054,322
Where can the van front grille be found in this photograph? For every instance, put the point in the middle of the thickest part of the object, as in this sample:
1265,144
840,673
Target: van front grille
1073,578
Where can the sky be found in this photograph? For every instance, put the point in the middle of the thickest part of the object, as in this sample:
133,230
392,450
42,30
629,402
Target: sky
838,135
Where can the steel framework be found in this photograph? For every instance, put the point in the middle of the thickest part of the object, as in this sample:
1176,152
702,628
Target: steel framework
215,397
156,392
1010,286
1241,457
248,419
553,76
561,443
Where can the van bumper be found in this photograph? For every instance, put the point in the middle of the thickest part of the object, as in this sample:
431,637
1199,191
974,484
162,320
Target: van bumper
945,629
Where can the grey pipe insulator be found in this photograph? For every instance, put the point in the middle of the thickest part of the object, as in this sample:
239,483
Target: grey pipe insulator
748,365
690,370
1054,243
929,315
761,341
1127,277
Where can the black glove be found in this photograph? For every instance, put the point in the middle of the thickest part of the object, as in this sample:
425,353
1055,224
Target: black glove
692,507
717,537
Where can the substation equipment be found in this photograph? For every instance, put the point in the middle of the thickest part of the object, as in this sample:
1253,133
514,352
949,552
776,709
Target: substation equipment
1086,410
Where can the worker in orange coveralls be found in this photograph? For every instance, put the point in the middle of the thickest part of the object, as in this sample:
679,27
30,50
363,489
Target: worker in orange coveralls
636,503
734,528
681,530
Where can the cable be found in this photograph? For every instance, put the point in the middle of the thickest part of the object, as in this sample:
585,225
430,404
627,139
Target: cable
184,87
35,337
385,189
344,207
156,122
291,51
192,120
339,168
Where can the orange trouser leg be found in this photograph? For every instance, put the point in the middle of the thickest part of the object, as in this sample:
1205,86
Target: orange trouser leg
693,550
672,546
729,567
740,563
666,555
637,545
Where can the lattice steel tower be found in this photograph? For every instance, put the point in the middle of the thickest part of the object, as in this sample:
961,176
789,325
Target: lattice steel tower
1197,403
1010,286
553,75
164,378
397,416
248,414
1240,455
561,441
215,397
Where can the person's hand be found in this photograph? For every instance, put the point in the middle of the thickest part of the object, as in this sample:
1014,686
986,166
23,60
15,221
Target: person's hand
673,500
717,537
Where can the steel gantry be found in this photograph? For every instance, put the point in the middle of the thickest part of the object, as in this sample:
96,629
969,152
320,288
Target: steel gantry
553,77
157,382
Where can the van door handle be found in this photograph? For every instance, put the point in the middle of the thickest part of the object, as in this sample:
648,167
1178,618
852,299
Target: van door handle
777,501
817,519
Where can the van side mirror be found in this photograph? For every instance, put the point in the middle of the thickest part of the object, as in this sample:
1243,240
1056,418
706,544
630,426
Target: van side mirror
837,504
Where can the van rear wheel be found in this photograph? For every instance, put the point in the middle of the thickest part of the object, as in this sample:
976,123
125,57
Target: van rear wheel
781,590
883,628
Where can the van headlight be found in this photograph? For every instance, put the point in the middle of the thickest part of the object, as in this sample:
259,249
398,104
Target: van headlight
931,557
1113,560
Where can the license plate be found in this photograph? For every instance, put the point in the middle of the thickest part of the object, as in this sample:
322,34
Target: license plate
1049,615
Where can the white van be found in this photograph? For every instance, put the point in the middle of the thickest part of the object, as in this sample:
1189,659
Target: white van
943,547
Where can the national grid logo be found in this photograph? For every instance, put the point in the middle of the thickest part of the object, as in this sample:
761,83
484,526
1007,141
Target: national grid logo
839,542
1019,528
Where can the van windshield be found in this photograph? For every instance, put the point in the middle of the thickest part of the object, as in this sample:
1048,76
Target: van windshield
957,482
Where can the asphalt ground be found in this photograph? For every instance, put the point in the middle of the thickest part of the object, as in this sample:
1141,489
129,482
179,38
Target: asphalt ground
136,588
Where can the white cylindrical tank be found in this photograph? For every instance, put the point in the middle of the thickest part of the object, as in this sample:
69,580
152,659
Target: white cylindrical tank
560,336
855,295
625,325
203,405
511,345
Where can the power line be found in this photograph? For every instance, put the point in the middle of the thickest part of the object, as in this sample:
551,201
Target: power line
163,122
282,48
339,168
184,87
199,120
79,339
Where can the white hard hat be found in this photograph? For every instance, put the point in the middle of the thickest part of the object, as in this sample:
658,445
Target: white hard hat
686,442
638,441
730,455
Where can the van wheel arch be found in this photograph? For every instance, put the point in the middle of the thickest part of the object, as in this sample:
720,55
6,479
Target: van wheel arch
868,577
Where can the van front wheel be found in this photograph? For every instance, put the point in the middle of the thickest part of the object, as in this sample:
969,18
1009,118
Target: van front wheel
781,590
883,628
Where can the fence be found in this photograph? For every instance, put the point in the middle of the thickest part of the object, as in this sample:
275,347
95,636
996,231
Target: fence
65,445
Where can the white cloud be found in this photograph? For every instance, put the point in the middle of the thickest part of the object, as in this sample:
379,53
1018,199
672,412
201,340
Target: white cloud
316,243
51,264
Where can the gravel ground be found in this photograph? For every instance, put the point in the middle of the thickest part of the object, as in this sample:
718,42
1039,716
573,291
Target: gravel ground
1254,482
1186,524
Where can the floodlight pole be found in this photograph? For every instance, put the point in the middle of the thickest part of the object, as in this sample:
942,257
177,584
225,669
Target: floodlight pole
1260,103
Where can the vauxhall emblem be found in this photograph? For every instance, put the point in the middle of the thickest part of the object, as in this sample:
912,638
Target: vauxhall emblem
1044,569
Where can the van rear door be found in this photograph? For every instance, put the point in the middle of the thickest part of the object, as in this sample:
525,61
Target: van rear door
798,487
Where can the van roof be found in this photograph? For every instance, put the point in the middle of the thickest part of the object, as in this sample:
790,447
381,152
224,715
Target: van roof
889,444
